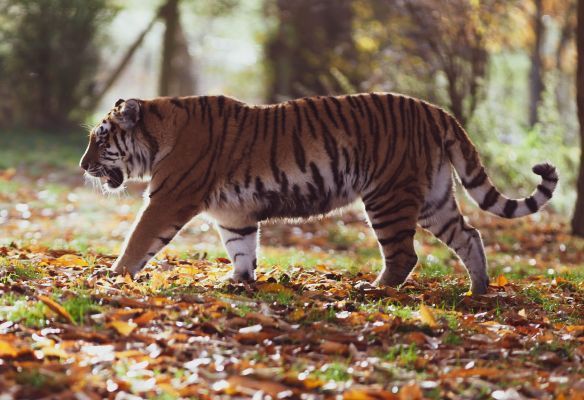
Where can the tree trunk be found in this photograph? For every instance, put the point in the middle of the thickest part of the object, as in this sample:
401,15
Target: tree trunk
170,18
312,39
176,71
535,74
578,219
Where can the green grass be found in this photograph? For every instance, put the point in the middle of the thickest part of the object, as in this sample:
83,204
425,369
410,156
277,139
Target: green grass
405,356
18,270
335,371
35,150
284,298
80,307
347,262
20,309
452,339
387,307
33,378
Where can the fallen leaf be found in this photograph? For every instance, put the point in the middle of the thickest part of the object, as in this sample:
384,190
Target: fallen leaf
145,318
330,347
70,260
7,350
427,317
57,308
275,288
522,313
368,394
247,385
500,281
122,327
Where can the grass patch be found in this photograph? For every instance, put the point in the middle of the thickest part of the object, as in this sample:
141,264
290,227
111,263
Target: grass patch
20,309
283,297
80,307
387,307
35,151
405,356
335,371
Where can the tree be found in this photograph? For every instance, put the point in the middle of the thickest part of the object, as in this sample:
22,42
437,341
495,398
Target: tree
52,60
536,72
176,72
578,219
312,50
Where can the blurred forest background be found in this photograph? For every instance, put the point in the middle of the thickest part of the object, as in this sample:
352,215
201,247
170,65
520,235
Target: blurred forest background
505,68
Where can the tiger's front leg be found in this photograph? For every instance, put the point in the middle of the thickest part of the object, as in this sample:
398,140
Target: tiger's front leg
153,229
241,242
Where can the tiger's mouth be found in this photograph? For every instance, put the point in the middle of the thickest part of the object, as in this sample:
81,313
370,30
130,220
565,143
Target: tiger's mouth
110,178
113,178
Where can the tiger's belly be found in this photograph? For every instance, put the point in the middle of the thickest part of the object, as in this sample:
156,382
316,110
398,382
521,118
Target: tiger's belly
267,199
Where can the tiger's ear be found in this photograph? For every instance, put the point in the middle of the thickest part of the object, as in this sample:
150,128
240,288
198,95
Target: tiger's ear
120,101
129,115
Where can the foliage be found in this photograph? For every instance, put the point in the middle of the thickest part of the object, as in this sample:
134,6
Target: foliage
52,59
312,51
179,330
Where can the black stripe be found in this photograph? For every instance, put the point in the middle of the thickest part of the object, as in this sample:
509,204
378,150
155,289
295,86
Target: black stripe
310,125
546,192
341,115
477,180
241,231
221,103
237,255
531,204
329,112
399,236
165,240
447,225
299,155
154,110
234,239
379,105
510,208
153,193
382,225
490,198
274,149
298,116
317,177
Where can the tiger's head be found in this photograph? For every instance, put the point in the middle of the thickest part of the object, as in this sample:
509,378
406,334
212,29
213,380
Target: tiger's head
117,149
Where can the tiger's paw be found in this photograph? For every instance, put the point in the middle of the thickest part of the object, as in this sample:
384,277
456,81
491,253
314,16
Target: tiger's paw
243,276
119,270
239,277
365,285
480,287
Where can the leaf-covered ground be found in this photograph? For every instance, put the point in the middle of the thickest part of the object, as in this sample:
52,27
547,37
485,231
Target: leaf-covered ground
68,330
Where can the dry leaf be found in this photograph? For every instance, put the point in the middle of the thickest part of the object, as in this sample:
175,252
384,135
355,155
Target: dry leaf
7,350
122,327
57,308
427,317
500,281
522,313
70,260
275,288
145,318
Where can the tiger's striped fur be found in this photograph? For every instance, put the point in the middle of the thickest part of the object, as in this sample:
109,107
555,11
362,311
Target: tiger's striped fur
245,164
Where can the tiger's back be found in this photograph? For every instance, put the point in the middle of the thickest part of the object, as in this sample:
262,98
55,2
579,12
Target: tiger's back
244,164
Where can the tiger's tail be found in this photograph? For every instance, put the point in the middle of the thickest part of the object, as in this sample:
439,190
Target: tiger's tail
465,158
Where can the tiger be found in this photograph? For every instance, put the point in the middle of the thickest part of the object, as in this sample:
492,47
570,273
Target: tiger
244,164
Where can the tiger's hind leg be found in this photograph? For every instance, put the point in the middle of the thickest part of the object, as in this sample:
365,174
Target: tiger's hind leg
241,242
442,217
394,219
